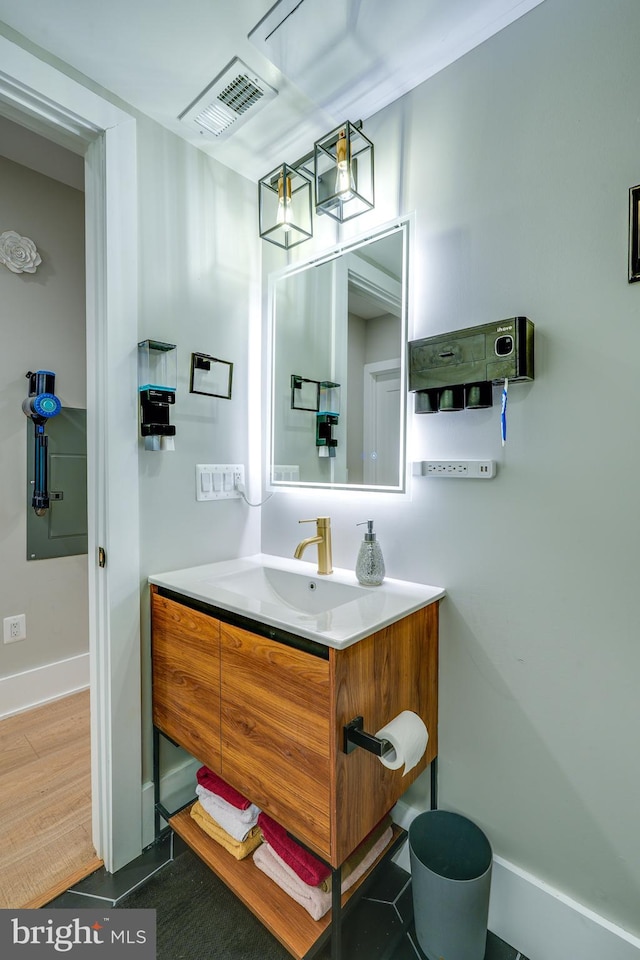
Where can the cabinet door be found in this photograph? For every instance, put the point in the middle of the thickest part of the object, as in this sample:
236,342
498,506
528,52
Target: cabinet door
276,731
186,678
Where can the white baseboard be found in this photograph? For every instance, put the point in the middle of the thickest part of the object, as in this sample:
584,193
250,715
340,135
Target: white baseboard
540,921
545,924
177,786
22,691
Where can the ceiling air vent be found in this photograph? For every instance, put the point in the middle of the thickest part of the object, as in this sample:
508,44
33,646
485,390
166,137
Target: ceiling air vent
235,95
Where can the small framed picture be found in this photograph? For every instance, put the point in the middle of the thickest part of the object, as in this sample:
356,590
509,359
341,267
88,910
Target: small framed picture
211,376
634,234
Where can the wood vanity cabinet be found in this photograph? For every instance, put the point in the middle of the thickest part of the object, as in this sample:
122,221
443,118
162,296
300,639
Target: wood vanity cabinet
276,731
186,678
268,715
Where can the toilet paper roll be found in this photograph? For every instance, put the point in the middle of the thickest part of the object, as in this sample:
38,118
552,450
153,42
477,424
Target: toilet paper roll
408,736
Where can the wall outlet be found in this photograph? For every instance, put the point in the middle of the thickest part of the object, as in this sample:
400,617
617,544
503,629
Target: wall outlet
461,469
14,628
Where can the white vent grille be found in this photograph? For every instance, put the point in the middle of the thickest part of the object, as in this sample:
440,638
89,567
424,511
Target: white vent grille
241,94
228,101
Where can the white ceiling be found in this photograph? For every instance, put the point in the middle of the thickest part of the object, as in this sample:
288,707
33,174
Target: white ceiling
331,60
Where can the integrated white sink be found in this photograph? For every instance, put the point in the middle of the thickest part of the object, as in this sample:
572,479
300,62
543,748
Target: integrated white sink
297,591
289,594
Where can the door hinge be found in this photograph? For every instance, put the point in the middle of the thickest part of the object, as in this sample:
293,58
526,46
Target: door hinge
102,557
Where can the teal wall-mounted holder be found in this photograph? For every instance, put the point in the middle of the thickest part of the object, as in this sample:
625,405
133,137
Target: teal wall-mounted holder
321,397
329,397
325,422
327,417
157,382
457,370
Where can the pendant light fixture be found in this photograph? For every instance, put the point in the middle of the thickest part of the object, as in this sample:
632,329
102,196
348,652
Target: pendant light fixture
343,173
340,167
284,201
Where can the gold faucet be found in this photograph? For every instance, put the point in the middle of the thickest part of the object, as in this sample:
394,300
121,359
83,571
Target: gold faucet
323,539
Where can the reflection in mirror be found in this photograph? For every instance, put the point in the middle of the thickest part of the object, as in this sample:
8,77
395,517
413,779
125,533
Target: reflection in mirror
340,322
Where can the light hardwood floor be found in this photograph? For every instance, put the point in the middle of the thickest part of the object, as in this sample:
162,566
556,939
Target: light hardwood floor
45,802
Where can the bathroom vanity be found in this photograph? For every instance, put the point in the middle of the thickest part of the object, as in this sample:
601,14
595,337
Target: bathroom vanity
265,705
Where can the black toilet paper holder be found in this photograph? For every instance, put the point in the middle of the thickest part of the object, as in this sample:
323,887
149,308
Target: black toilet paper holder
355,736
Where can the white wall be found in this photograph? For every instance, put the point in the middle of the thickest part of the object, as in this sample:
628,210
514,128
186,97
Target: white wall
517,160
199,289
42,327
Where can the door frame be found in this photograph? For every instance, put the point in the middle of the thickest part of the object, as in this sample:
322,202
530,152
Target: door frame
373,374
43,99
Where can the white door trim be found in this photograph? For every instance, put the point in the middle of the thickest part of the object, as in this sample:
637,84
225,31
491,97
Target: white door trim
49,102
373,372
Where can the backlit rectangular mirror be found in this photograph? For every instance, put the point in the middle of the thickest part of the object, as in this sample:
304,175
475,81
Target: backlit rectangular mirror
340,322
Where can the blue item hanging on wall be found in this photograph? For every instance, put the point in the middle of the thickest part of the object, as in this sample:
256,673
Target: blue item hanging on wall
503,411
40,406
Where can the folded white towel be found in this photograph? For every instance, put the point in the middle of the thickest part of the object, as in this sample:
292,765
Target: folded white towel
314,899
236,822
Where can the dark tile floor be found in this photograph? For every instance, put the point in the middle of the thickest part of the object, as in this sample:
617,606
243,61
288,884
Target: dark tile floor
380,927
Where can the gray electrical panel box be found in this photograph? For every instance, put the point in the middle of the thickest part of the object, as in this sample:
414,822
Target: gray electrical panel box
62,531
470,360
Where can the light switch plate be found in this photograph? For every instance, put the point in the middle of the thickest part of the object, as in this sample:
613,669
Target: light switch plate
219,481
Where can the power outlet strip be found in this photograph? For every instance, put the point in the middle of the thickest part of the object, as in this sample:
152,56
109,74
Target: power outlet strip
462,469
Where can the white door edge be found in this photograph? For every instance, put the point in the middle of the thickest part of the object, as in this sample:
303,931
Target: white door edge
57,107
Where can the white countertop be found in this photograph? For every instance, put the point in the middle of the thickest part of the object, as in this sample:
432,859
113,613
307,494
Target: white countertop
341,611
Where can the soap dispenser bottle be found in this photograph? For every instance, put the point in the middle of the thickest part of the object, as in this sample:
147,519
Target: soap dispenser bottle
370,563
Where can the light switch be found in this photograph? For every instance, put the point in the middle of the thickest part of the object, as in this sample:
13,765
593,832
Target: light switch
217,481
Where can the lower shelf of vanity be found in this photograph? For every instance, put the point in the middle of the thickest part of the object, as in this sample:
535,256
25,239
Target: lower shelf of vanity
290,923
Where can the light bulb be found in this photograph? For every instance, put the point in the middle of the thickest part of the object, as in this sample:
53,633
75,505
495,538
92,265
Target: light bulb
345,185
283,216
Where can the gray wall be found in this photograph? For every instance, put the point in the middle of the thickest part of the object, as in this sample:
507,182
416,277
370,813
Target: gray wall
42,326
517,160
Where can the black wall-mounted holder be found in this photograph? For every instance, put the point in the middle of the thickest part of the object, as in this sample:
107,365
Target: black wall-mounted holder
157,380
354,736
325,422
456,371
321,397
155,406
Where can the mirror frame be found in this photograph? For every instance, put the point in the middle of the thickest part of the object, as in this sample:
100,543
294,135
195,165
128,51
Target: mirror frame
404,224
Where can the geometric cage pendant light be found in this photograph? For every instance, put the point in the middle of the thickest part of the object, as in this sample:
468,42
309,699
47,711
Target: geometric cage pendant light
343,173
340,170
284,205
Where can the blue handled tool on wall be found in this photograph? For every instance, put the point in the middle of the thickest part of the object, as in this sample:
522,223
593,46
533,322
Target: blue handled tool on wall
40,406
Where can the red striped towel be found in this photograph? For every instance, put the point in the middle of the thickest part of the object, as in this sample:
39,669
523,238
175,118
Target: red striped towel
304,864
211,781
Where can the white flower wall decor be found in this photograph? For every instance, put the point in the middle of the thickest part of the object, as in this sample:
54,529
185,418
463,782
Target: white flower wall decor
18,253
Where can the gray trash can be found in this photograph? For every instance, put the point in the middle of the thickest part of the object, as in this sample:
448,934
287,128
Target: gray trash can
451,878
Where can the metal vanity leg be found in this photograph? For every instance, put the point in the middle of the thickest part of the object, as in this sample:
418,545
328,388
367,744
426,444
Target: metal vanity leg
156,780
433,768
336,914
